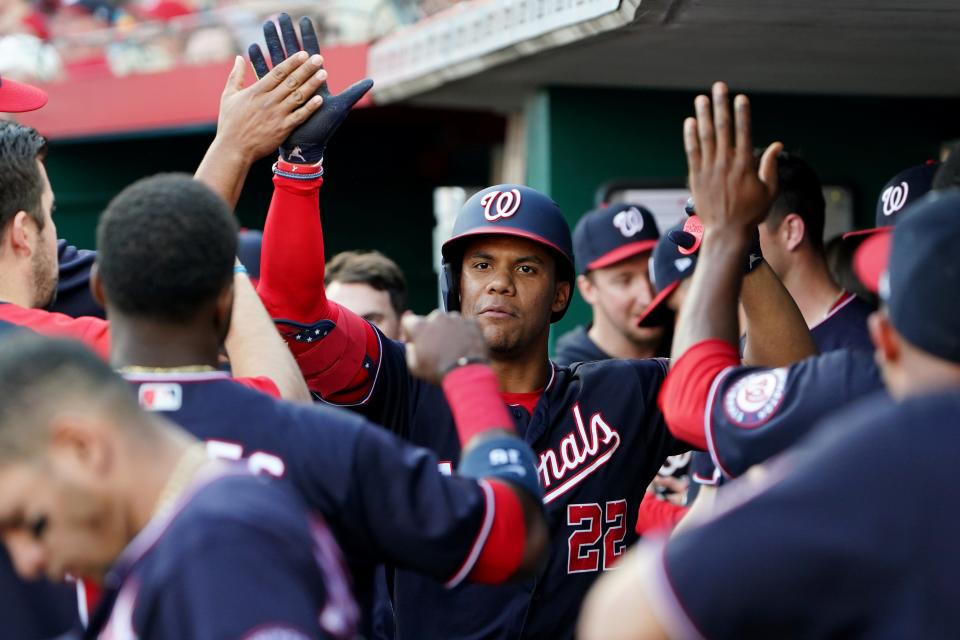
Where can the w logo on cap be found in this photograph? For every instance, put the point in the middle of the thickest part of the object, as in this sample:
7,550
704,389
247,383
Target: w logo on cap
629,221
500,204
894,198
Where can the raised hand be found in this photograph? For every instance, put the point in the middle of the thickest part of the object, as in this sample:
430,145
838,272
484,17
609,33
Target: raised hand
728,190
307,143
440,342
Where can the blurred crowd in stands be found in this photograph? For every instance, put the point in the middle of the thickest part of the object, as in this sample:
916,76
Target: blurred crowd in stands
49,40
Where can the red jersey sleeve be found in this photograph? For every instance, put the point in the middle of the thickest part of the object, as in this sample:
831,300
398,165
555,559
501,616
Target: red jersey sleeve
262,384
93,332
335,348
685,393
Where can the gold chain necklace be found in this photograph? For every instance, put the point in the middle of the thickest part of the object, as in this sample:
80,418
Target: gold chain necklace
180,478
190,368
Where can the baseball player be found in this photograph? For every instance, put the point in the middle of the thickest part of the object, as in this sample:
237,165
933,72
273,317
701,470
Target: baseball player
594,427
384,500
612,246
792,240
186,547
810,560
745,415
251,120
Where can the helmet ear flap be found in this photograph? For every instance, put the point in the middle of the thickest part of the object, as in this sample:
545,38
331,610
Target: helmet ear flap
449,287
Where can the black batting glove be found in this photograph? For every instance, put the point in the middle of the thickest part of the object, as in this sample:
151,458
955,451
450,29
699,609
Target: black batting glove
307,143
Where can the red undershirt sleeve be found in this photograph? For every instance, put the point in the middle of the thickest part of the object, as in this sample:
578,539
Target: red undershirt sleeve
684,394
332,345
502,551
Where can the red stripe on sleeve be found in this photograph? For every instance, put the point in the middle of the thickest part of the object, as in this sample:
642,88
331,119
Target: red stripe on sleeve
683,396
291,287
503,550
473,394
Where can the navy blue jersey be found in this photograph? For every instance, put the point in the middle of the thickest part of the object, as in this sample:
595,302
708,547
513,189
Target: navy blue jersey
36,609
576,346
850,538
384,500
600,440
73,283
755,413
237,558
845,326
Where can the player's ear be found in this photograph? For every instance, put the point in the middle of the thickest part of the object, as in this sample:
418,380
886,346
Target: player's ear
223,311
96,286
884,336
561,295
17,236
587,289
793,230
79,445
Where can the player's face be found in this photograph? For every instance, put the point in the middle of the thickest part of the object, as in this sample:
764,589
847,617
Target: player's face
54,525
369,303
509,285
619,295
44,265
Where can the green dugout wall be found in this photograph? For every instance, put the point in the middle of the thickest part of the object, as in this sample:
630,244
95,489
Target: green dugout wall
580,138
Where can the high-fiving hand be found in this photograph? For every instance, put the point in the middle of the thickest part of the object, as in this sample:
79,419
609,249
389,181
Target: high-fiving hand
307,143
728,190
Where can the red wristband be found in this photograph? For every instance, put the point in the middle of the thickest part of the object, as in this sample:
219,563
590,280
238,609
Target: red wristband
474,397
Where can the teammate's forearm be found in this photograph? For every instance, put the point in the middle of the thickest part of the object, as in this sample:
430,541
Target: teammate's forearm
256,349
777,334
710,308
224,169
292,261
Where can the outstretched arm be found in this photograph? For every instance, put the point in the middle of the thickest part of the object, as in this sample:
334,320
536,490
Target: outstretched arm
335,349
253,122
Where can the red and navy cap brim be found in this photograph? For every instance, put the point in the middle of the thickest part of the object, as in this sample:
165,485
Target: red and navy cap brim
17,97
861,233
871,259
622,253
657,311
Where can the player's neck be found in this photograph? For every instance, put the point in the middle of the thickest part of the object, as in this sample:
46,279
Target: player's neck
13,287
149,474
145,343
524,373
615,344
812,288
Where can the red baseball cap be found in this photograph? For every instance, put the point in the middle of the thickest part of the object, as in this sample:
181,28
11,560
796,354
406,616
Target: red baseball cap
18,97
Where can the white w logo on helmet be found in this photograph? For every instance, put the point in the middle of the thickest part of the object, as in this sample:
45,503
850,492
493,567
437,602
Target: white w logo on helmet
629,221
894,198
500,204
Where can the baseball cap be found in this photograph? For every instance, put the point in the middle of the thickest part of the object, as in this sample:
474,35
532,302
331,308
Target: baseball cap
613,233
900,191
673,261
920,284
19,97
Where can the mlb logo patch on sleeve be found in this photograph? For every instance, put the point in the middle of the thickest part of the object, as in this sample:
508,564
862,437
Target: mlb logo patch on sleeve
755,398
160,396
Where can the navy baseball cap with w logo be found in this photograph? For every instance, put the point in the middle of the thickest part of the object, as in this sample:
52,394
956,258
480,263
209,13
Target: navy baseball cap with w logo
673,261
612,233
922,276
901,190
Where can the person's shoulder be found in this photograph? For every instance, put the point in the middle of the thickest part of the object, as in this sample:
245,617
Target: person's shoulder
576,346
615,367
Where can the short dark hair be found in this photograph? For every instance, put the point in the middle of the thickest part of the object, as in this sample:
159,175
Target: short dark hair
21,185
167,246
948,175
40,376
800,193
371,268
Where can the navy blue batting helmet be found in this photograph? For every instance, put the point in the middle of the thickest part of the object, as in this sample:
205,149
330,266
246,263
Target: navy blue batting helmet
513,210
